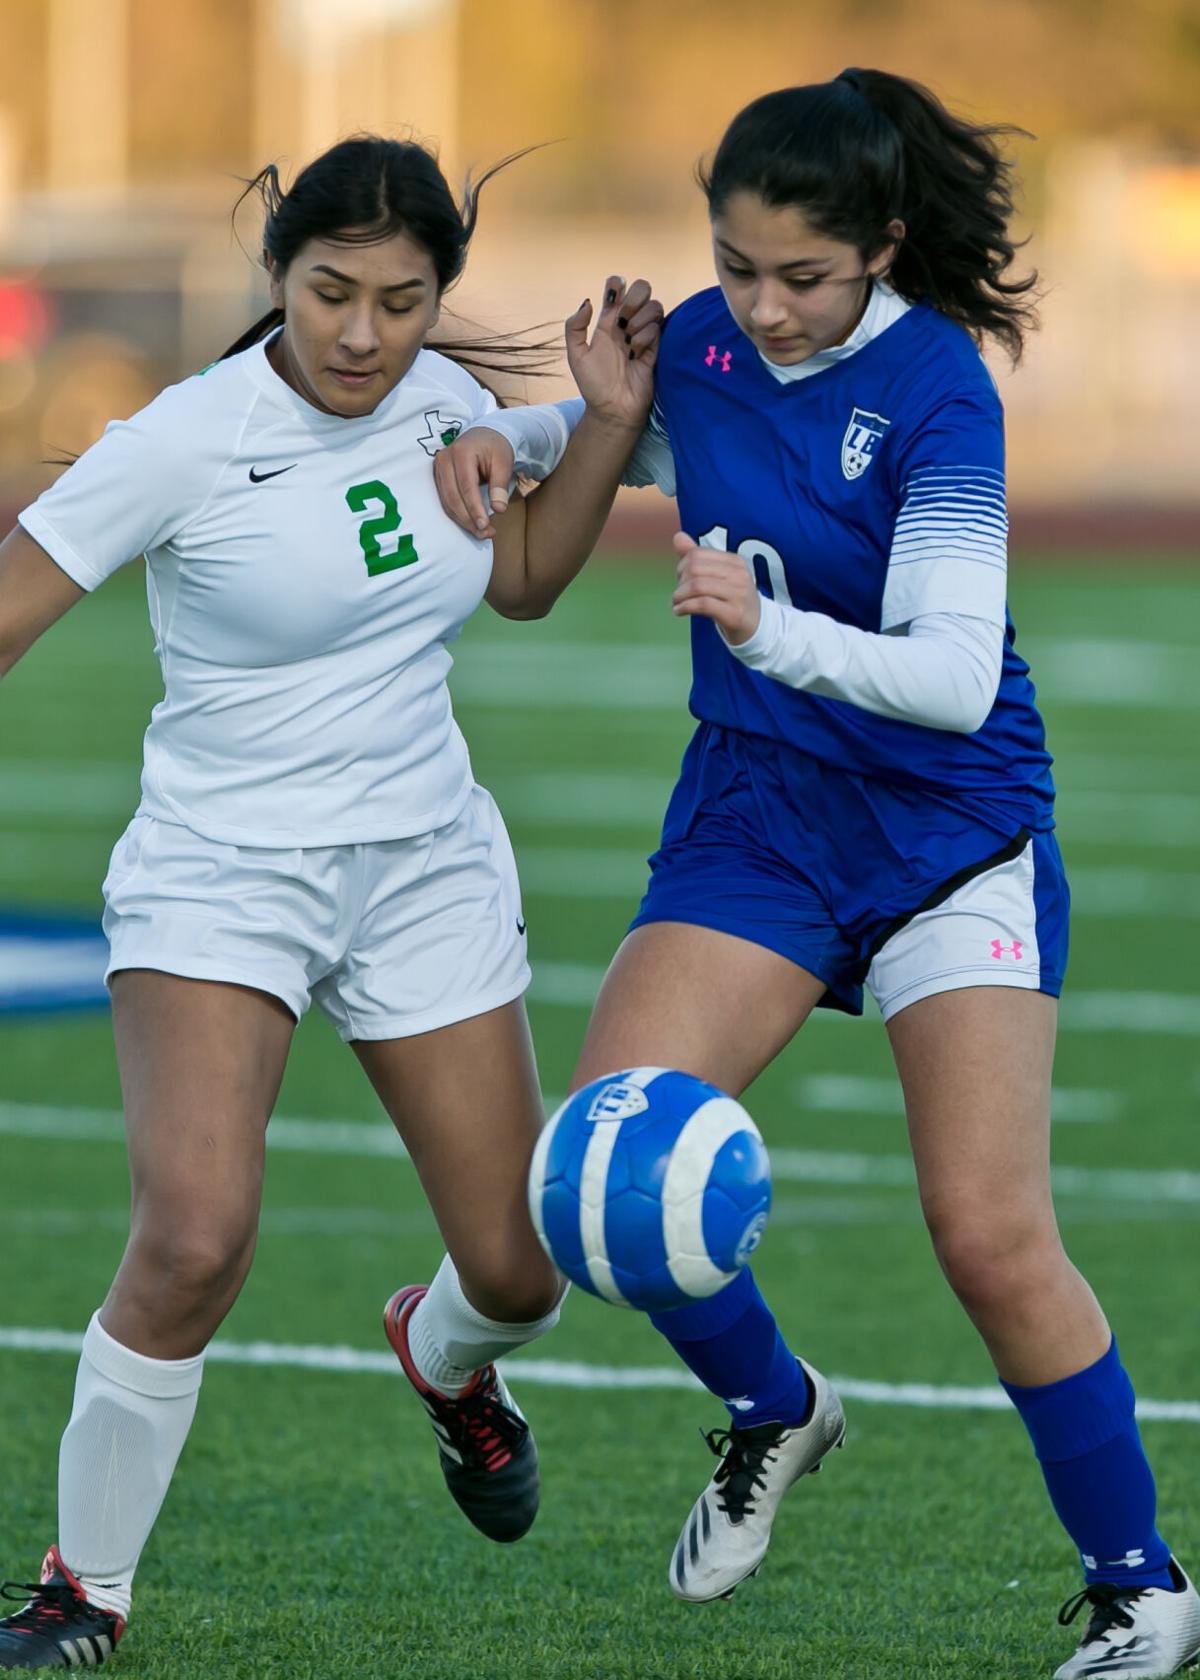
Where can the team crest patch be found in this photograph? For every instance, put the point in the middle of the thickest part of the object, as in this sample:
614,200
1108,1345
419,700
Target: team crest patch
440,433
861,441
618,1101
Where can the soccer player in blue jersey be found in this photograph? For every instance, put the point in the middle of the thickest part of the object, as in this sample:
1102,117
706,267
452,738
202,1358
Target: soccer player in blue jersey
867,799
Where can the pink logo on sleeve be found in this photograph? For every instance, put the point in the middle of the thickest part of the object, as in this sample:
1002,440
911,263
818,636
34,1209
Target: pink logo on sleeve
723,357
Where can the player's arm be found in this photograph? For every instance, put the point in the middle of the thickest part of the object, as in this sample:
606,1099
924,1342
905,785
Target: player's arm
939,669
34,593
538,553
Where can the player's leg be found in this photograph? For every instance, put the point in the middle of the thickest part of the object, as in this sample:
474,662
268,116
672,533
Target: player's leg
429,995
975,1065
721,1007
465,1100
200,1067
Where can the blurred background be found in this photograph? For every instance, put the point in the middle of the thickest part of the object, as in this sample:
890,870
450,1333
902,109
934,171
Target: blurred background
126,130
126,124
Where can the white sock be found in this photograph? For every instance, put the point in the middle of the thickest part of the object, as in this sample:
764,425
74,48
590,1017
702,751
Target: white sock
128,1425
450,1341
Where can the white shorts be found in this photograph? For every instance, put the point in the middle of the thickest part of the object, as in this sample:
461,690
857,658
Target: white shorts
1003,926
391,938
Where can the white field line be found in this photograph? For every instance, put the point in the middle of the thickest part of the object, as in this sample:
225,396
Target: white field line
793,1166
1172,1014
599,872
613,676
847,1093
563,1373
574,986
105,796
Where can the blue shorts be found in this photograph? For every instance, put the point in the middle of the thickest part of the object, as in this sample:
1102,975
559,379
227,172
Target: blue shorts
859,881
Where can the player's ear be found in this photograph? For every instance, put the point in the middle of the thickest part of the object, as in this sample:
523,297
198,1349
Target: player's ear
893,238
274,280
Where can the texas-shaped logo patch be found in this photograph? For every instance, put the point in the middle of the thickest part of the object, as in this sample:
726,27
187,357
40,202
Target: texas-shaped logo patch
440,433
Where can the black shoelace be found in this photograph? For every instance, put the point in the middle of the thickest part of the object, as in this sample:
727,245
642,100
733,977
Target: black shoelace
50,1604
744,1454
1108,1602
482,1427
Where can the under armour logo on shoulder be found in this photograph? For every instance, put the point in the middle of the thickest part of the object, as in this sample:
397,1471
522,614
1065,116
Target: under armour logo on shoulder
723,357
999,949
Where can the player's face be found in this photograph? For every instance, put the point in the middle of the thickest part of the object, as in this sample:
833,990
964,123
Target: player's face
355,318
792,290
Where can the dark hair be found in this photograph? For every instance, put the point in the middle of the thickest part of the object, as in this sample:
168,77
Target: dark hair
869,148
361,192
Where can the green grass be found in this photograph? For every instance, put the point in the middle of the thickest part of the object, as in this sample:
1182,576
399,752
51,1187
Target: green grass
308,1533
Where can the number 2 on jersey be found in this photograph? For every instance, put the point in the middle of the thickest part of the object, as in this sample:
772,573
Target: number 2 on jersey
359,498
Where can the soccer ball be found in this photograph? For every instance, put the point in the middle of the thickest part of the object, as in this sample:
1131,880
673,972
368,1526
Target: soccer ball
650,1188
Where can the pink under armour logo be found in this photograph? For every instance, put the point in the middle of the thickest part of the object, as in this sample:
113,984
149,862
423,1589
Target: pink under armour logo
722,356
1013,950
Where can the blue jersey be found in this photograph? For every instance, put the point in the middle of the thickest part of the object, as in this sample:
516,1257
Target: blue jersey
844,491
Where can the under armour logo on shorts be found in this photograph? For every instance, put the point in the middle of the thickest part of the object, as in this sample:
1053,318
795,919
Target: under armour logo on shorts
999,950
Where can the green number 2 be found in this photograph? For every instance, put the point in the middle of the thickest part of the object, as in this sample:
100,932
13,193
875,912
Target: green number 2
359,498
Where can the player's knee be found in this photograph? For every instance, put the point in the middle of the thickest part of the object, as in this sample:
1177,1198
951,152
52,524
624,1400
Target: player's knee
191,1264
993,1261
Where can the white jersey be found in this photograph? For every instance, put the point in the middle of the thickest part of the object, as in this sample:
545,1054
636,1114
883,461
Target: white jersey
303,585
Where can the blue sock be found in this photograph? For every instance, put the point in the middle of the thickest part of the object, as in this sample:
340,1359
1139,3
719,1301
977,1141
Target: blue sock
732,1343
1099,1480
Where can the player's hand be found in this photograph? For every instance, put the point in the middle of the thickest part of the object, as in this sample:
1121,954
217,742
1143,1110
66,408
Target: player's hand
716,585
479,457
615,370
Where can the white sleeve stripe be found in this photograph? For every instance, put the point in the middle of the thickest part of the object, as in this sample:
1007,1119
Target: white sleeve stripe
949,530
995,509
942,550
953,555
940,520
969,475
982,493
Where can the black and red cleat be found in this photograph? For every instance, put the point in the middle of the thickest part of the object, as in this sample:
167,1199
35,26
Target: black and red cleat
487,1452
58,1628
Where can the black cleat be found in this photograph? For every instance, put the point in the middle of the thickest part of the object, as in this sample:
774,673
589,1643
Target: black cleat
58,1628
488,1454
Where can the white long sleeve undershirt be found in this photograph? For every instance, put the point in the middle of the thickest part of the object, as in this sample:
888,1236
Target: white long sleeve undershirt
941,670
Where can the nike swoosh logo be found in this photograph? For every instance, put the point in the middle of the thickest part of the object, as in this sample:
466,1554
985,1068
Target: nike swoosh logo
520,925
261,478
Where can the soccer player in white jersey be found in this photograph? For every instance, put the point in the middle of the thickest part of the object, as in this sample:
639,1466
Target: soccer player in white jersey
310,829
867,798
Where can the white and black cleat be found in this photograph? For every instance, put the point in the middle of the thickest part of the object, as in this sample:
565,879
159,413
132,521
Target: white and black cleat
58,1628
726,1536
1134,1633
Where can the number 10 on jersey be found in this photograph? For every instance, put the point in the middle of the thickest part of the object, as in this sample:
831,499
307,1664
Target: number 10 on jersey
359,499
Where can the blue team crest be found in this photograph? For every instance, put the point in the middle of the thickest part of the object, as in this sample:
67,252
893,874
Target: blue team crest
861,441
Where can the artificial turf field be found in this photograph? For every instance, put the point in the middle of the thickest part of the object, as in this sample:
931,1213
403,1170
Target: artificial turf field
308,1532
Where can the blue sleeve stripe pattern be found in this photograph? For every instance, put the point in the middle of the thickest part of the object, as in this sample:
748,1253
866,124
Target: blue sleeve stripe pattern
952,513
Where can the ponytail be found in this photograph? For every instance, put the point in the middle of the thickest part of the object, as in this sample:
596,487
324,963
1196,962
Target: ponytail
870,148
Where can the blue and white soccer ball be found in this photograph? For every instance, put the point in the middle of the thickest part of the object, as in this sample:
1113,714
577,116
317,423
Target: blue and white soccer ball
650,1188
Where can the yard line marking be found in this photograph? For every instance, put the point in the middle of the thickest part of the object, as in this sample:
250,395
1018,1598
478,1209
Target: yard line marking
796,1166
1174,1014
1082,671
304,1222
567,1373
614,872
843,1093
